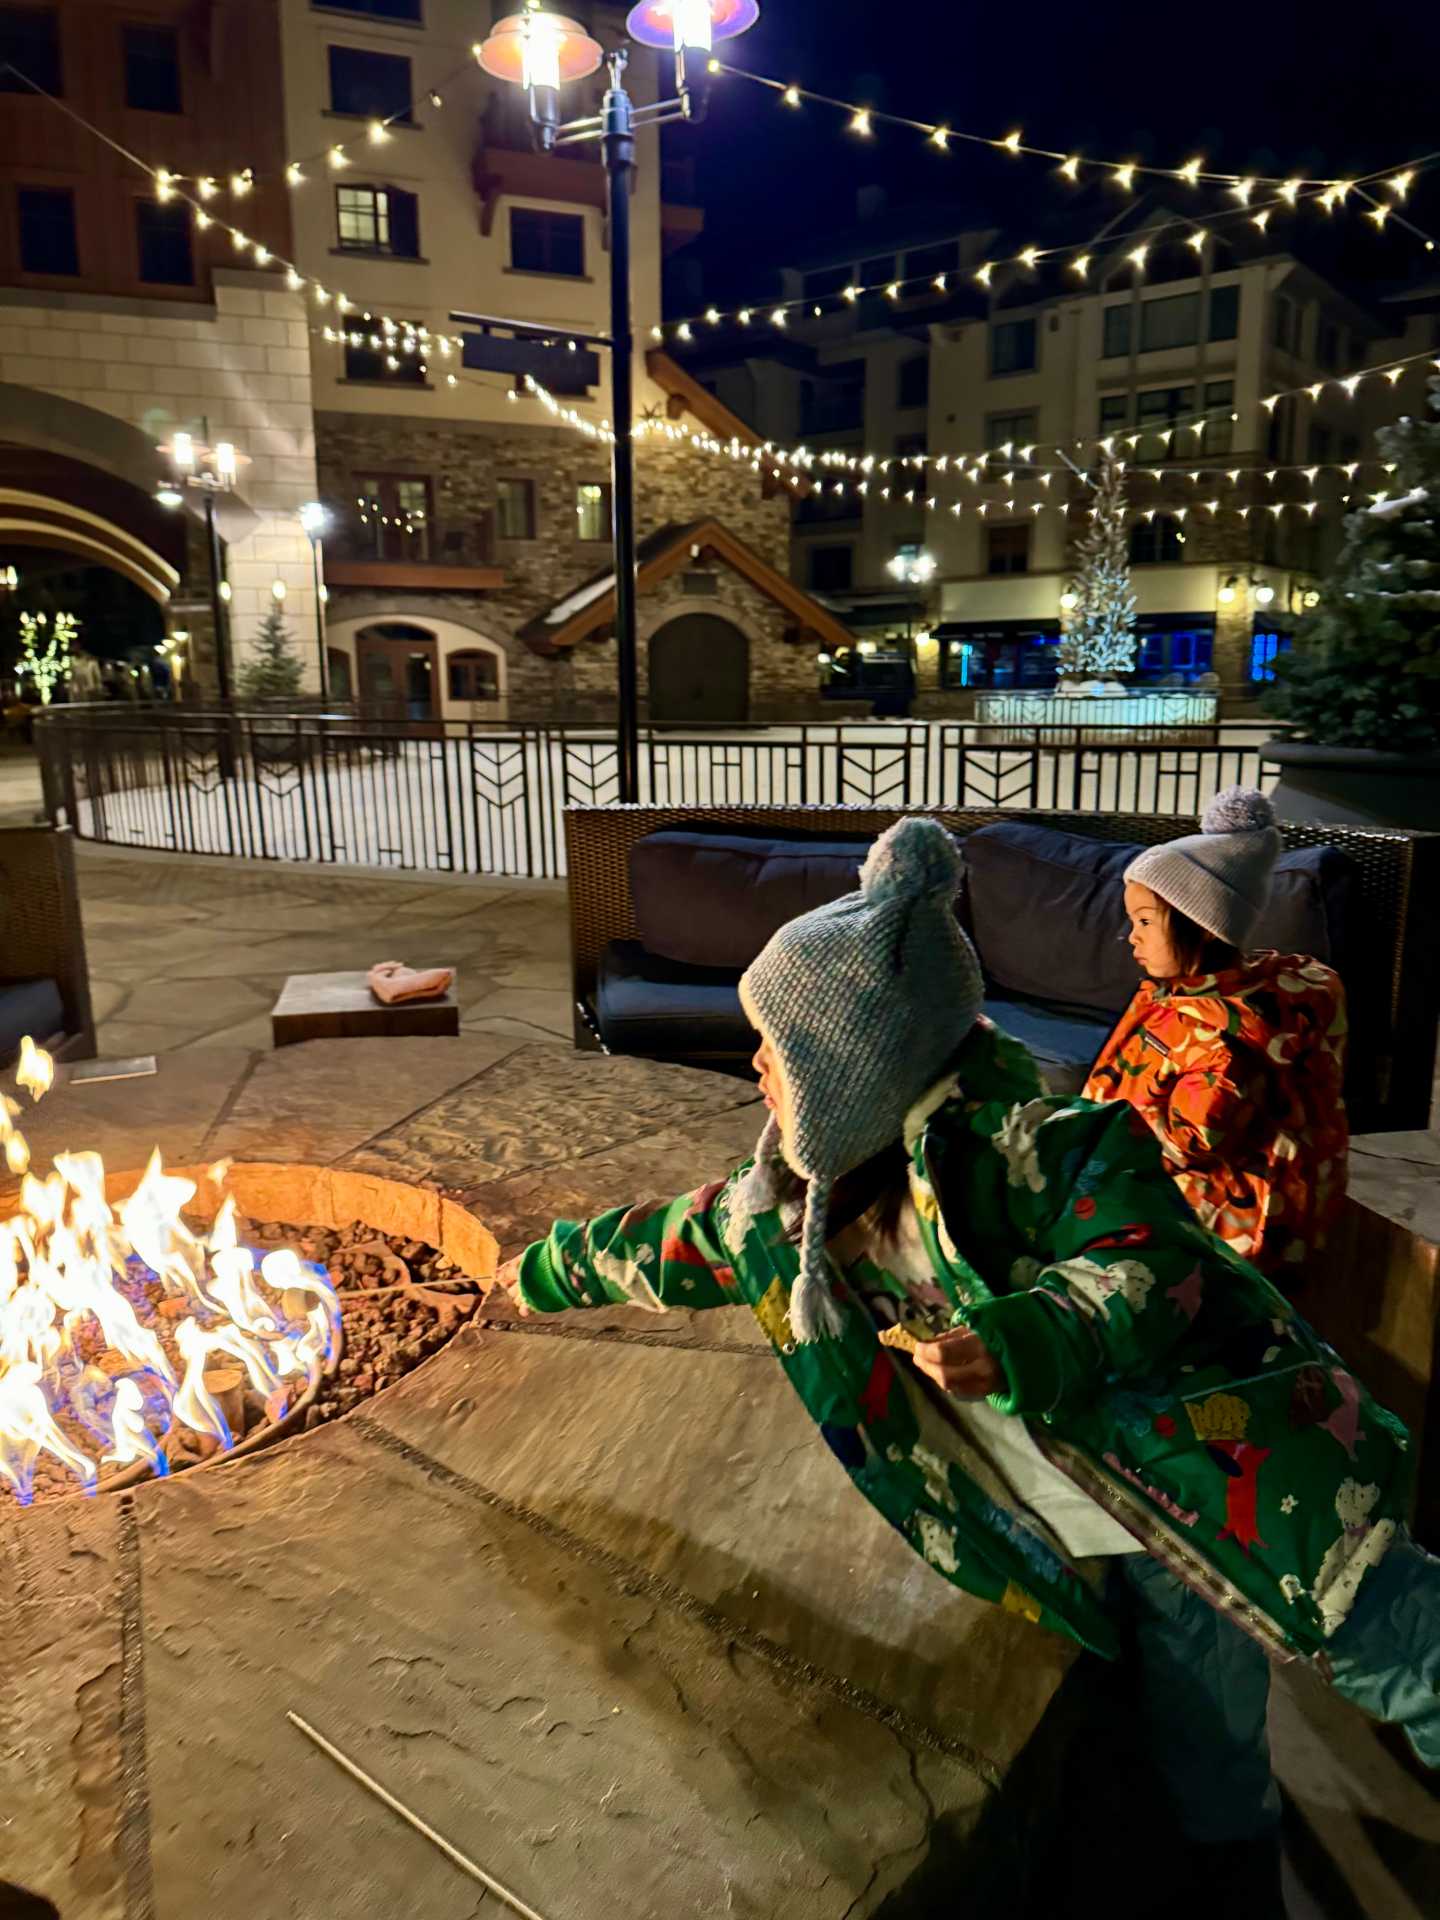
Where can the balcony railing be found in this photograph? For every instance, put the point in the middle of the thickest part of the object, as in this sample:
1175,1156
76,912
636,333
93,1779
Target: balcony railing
383,551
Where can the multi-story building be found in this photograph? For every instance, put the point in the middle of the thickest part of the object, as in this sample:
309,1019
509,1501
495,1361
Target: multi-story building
1173,365
250,225
125,317
470,540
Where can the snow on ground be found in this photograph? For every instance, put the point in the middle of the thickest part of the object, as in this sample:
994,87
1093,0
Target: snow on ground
492,803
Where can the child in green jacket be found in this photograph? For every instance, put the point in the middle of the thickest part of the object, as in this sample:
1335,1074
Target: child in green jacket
1026,1352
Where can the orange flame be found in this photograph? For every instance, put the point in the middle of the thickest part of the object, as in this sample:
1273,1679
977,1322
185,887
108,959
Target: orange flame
73,1279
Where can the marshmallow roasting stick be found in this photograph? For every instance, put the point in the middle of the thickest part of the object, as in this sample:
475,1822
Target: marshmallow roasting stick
463,1861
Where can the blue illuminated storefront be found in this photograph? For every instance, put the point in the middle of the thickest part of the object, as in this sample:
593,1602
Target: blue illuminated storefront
1173,651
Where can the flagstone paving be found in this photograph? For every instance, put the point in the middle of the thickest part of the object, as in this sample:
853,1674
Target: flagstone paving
600,1663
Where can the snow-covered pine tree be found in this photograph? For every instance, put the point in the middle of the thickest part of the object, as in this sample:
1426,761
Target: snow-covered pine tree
1365,670
1099,640
273,672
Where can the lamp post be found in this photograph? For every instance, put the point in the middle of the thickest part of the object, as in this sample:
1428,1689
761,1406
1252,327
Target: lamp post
541,51
212,470
313,518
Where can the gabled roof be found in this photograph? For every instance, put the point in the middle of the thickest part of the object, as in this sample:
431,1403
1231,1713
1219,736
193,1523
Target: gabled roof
590,608
686,395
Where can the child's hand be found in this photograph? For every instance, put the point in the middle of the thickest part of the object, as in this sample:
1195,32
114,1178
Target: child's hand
504,1296
961,1363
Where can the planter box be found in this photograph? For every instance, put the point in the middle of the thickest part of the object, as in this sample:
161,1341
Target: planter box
1355,786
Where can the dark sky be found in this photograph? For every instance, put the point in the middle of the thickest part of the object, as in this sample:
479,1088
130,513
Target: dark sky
1273,88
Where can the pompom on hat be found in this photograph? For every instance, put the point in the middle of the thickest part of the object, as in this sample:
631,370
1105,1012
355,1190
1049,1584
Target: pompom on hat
1219,877
863,1002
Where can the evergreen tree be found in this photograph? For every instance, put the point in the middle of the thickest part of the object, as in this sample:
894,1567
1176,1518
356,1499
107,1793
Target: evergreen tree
1100,637
273,672
1365,670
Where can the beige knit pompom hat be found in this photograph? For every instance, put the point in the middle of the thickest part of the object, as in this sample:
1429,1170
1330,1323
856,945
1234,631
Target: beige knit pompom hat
1219,877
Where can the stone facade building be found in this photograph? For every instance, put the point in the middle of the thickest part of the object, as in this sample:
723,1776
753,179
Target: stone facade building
515,525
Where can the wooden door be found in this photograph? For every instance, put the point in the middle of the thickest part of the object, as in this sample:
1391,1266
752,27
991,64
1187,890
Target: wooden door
699,672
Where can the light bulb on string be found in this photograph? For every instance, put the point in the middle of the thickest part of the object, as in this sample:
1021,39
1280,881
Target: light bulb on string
338,158
164,187
940,137
1190,172
861,122
242,182
1011,142
1197,240
1290,192
294,174
1081,264
1125,176
1242,191
791,96
1399,185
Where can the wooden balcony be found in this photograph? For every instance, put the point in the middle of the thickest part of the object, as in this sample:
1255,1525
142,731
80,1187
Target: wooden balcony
458,556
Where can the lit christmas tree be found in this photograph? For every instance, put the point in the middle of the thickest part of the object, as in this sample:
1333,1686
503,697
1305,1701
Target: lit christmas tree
45,650
1099,640
1365,670
273,672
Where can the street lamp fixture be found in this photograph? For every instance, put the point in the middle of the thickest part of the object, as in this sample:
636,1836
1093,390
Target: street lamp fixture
541,51
208,470
915,569
314,519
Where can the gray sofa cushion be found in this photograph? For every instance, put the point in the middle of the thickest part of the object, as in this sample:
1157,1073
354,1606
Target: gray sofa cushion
1047,912
29,1006
647,1005
714,899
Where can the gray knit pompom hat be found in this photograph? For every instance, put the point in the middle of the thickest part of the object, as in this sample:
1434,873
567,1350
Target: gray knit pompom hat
864,1001
1219,877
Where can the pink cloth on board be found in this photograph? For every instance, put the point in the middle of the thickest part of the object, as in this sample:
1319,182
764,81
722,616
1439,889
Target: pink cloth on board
392,980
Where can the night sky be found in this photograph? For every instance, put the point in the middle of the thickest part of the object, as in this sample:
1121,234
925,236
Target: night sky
1273,89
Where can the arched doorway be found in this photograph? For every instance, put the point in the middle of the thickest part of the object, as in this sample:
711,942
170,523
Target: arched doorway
699,672
398,665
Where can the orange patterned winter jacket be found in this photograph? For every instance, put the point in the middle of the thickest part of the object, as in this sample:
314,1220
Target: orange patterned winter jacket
1240,1075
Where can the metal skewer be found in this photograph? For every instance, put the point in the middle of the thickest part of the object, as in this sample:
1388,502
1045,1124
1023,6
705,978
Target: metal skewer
452,1853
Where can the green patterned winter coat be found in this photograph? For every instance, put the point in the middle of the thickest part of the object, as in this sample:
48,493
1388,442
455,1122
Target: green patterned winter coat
1151,1365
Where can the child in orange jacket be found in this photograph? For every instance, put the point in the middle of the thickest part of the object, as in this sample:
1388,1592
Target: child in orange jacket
1236,1059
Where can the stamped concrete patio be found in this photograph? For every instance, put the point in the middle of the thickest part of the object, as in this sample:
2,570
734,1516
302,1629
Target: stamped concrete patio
631,1640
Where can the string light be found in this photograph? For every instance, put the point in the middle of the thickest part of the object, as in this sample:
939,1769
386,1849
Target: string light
1080,264
242,182
1190,172
1070,166
379,133
1011,142
1125,176
792,96
294,175
338,158
206,187
861,121
941,138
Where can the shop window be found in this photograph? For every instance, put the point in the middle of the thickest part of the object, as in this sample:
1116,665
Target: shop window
163,243
831,569
152,69
378,220
1007,548
30,41
372,86
547,242
515,509
46,219
1012,346
592,510
1265,649
1156,542
473,675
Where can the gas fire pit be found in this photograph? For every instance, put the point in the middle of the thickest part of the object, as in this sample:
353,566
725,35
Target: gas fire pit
156,1321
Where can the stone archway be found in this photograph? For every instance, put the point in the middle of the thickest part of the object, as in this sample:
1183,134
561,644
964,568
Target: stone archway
699,672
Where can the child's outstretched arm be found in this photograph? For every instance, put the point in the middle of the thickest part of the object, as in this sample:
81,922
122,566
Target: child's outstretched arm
657,1254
